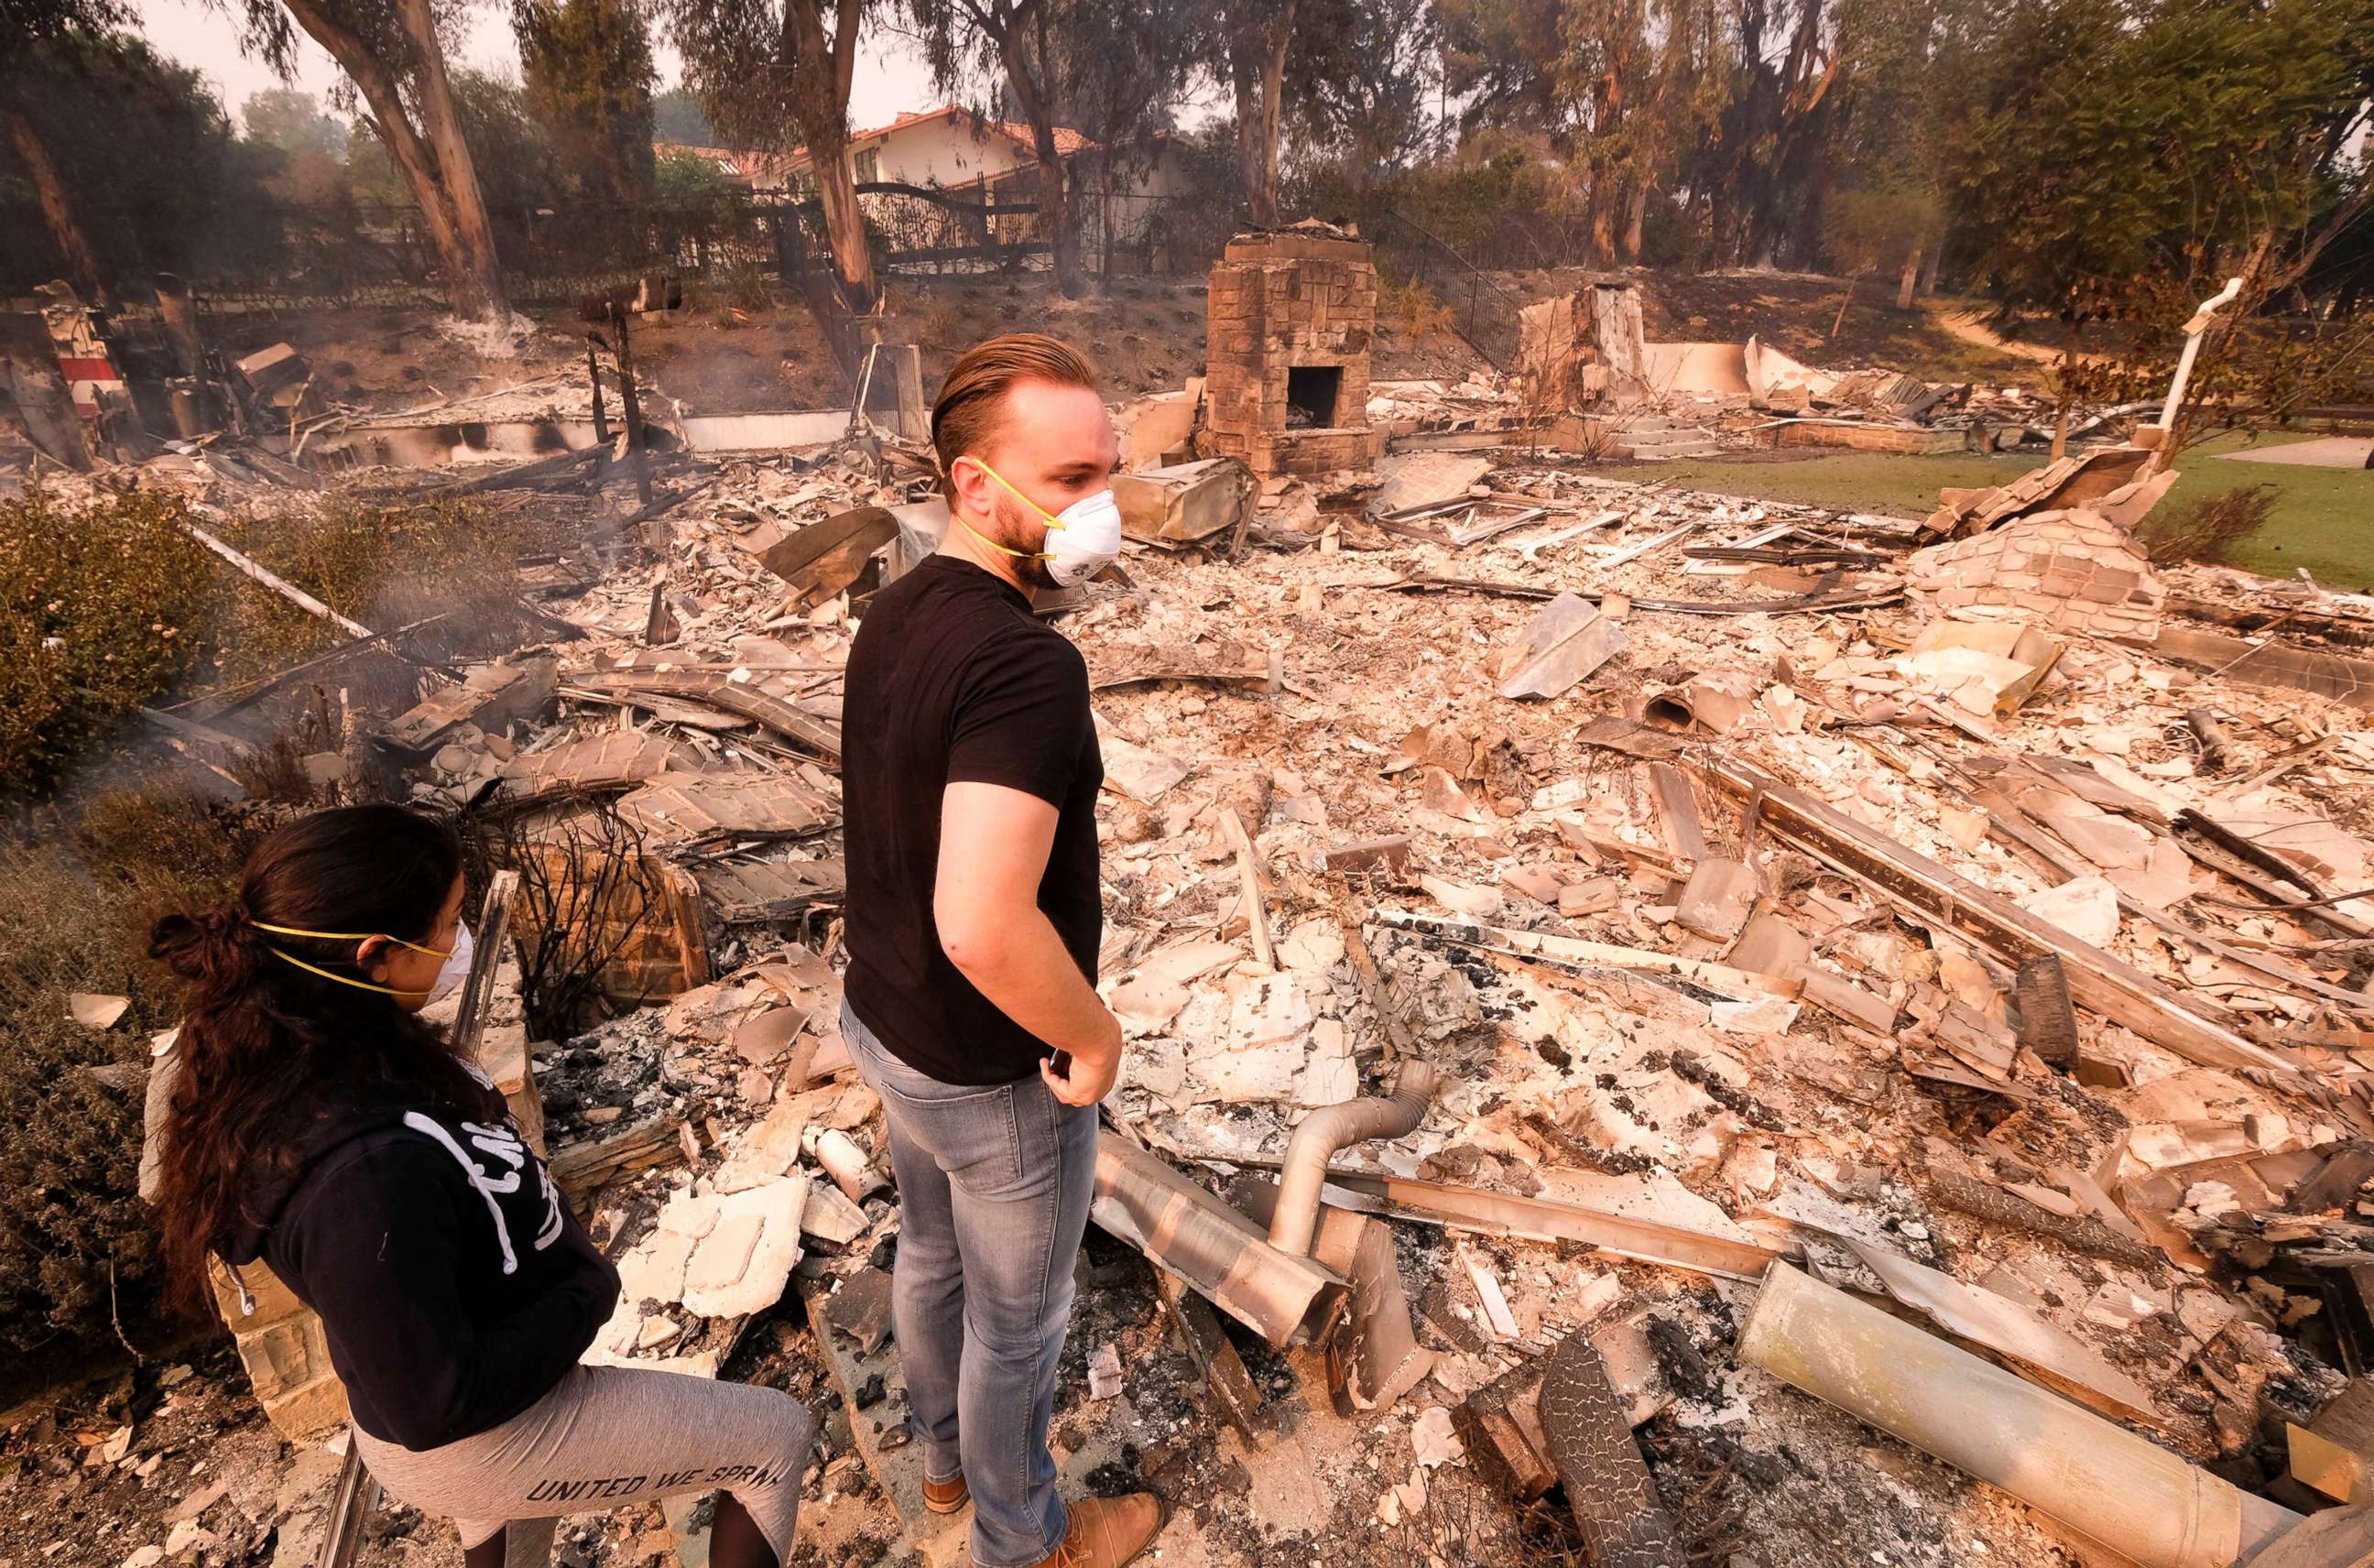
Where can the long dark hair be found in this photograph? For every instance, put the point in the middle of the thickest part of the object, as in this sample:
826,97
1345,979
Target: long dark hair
265,1044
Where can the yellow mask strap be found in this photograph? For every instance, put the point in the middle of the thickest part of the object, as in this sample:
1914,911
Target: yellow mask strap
992,544
1052,522
348,937
357,984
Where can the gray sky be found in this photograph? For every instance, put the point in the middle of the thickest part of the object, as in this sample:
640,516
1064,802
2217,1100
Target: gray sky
892,77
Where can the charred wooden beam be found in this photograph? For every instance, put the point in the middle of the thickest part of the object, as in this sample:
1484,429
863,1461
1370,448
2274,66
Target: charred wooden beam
1607,1483
1995,1207
1233,1396
2048,1020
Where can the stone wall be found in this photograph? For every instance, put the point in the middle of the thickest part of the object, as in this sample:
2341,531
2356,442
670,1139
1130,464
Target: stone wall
1278,302
287,1358
2063,570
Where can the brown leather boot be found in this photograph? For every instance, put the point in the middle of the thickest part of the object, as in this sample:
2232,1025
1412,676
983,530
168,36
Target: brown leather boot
947,1496
1106,1531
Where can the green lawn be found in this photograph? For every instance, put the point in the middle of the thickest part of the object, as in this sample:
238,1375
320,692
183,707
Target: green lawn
2324,517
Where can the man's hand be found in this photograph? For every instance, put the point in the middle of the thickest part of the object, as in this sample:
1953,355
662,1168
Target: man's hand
1081,1082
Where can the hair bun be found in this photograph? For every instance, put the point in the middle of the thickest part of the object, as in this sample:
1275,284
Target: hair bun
205,945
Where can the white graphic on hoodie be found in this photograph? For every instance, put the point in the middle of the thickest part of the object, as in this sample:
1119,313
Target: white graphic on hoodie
507,1149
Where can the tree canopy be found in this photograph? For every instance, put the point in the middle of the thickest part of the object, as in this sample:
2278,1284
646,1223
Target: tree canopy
587,66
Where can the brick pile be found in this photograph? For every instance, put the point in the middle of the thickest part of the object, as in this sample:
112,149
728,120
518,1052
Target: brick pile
2064,570
1278,302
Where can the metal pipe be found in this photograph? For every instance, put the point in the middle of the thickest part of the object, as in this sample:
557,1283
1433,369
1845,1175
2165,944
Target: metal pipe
2194,330
1332,1128
2095,1477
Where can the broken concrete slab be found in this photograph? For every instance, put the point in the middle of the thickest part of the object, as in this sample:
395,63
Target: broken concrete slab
2320,452
2085,907
739,1265
1568,641
1150,995
1423,479
1140,773
1185,504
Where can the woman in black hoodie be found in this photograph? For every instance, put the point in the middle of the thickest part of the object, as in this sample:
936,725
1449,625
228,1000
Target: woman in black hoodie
319,1126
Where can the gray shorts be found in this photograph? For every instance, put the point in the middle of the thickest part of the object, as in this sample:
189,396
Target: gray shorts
608,1435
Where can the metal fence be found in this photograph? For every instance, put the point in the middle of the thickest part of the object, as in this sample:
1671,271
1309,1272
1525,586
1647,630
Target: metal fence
283,256
1483,311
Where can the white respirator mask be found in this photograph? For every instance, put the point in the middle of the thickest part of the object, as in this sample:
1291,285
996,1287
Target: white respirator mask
457,967
1082,539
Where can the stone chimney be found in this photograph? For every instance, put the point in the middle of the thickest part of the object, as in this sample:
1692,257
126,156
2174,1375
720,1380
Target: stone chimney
1290,316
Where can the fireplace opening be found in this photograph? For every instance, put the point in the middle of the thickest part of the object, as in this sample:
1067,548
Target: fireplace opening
1310,392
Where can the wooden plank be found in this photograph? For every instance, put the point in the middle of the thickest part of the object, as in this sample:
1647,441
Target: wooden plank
2336,1538
1234,1397
352,1503
2336,1182
1678,811
2270,663
1503,1452
1543,1220
2348,1418
578,1168
2106,984
1998,1208
792,723
286,590
1248,885
1607,1483
1574,950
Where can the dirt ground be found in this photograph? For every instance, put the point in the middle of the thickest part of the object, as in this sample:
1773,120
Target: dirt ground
715,356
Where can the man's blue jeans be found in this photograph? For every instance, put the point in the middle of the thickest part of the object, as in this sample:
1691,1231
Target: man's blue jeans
993,1189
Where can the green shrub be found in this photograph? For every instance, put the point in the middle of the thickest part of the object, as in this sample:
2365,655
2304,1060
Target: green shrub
2208,530
1413,306
738,285
383,564
76,1247
102,608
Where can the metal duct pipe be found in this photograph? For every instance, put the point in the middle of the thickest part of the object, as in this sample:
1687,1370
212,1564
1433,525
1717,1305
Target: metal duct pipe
1332,1128
2095,1477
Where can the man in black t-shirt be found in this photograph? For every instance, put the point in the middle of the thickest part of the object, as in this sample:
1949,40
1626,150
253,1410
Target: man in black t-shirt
970,775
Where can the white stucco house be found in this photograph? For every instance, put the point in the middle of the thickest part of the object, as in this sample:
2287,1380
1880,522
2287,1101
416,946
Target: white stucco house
1120,192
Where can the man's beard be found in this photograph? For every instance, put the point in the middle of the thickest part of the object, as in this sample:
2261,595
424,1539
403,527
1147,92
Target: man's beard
1013,528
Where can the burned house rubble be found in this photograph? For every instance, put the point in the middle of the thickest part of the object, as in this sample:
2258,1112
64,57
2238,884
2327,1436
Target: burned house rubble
1692,1028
